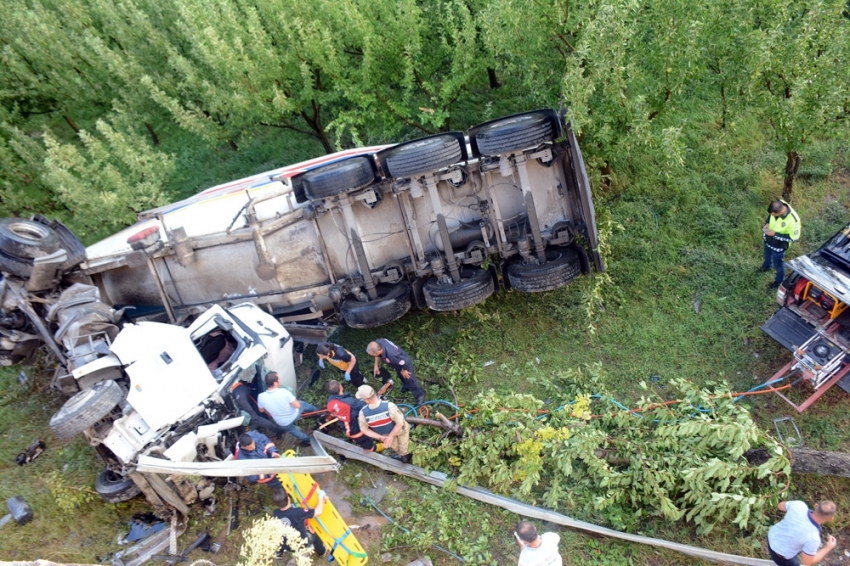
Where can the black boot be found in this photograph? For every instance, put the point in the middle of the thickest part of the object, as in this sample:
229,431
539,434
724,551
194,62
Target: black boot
406,459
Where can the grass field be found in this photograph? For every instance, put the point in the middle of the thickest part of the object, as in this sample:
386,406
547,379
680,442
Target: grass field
684,301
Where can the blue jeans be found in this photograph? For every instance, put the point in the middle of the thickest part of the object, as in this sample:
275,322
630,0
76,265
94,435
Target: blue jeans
776,259
293,429
781,560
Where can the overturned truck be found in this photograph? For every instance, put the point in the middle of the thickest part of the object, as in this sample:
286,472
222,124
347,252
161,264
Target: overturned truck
360,237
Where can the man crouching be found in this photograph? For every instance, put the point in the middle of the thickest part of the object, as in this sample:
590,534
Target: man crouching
384,422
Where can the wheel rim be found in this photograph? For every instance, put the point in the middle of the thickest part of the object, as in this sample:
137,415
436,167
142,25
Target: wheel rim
78,400
29,230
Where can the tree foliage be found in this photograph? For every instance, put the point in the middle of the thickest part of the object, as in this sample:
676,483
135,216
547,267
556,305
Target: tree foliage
115,172
679,461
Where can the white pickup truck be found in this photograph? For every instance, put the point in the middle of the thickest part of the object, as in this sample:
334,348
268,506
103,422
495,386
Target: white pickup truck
360,236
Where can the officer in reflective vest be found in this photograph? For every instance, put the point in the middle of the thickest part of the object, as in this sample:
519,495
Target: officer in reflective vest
340,358
781,227
383,421
347,409
396,358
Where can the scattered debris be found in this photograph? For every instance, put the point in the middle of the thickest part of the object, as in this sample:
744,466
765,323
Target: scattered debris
20,510
424,561
22,377
31,452
697,303
792,437
489,363
143,525
6,518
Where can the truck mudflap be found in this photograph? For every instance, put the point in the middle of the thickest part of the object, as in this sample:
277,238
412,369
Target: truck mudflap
787,328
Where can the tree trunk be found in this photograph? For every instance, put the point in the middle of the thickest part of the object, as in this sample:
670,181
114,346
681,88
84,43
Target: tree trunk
71,123
494,80
808,461
154,137
792,165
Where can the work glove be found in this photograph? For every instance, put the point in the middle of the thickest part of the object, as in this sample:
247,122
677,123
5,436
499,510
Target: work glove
321,363
322,494
347,376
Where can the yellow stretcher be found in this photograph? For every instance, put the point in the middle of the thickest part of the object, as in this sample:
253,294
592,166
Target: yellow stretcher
329,526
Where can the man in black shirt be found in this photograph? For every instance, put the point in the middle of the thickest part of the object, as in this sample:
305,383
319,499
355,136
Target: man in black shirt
340,358
296,517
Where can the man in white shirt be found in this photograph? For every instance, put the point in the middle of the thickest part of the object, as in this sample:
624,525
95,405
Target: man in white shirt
796,538
284,408
537,550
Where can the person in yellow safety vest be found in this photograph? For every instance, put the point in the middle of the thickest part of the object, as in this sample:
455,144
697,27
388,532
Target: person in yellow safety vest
781,227
341,358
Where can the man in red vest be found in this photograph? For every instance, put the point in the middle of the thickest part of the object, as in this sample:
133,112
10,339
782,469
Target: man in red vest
347,409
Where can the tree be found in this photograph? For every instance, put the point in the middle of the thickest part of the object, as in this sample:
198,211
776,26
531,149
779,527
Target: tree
800,71
110,180
680,460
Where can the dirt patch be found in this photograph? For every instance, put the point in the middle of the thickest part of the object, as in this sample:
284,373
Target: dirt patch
367,528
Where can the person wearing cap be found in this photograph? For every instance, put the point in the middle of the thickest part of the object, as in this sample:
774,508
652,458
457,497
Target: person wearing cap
384,422
346,409
340,358
396,358
781,228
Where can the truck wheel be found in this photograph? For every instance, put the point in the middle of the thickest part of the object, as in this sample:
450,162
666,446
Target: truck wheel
337,178
86,408
422,156
115,488
512,134
474,286
26,239
15,266
561,267
392,303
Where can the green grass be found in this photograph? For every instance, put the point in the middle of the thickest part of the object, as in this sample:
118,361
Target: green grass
685,301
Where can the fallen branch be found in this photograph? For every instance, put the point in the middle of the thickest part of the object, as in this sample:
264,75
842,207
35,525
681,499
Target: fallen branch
808,461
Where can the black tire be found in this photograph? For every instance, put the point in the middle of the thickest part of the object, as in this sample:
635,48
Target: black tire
561,267
26,239
15,266
422,156
86,408
392,303
115,488
337,178
512,134
475,286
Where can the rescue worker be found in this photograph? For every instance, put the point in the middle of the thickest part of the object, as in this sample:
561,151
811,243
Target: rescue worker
347,409
255,445
384,422
781,227
296,517
397,359
341,358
